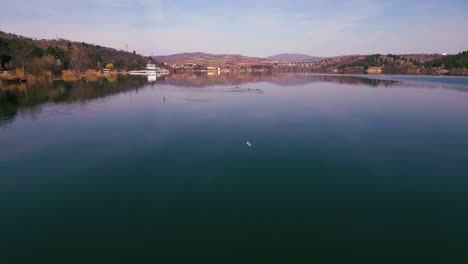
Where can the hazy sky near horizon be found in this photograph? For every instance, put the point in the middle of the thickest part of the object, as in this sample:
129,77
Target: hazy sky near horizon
248,27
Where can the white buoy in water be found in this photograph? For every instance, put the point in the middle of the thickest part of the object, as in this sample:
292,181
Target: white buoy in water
248,144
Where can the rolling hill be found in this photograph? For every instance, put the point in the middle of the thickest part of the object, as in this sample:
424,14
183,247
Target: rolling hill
231,59
293,57
201,58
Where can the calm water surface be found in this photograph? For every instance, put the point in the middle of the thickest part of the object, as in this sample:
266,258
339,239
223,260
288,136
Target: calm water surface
342,169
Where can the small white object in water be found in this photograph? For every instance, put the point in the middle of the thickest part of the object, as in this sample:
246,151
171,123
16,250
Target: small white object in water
248,144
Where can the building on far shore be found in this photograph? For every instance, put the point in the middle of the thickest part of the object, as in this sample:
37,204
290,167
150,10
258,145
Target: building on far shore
211,68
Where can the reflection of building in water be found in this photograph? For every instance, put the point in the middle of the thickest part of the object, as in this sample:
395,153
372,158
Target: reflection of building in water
152,78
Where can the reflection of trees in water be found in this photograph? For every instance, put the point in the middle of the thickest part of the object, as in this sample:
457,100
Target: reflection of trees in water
244,90
203,79
8,107
291,79
346,79
14,98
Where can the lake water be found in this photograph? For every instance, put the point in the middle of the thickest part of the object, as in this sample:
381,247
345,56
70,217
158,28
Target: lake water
342,169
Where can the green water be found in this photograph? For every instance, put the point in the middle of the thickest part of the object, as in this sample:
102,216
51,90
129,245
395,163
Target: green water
342,169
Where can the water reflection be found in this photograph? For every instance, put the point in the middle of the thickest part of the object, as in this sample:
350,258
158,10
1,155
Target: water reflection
172,168
284,79
8,106
152,78
237,89
17,97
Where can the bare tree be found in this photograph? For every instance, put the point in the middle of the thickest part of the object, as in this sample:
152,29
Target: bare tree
23,56
79,62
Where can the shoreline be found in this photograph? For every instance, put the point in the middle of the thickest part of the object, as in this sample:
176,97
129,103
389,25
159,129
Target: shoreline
6,77
67,75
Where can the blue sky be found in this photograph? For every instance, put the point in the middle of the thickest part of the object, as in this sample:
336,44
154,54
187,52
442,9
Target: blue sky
255,27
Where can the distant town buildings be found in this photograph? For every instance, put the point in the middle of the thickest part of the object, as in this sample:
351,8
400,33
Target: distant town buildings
190,67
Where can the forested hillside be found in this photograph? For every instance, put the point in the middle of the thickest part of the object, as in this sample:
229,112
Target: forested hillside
458,61
37,56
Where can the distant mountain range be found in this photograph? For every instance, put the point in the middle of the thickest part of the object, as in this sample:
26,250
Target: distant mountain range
432,64
231,59
293,57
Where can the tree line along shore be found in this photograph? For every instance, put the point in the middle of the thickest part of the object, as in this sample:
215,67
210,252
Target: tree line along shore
23,58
